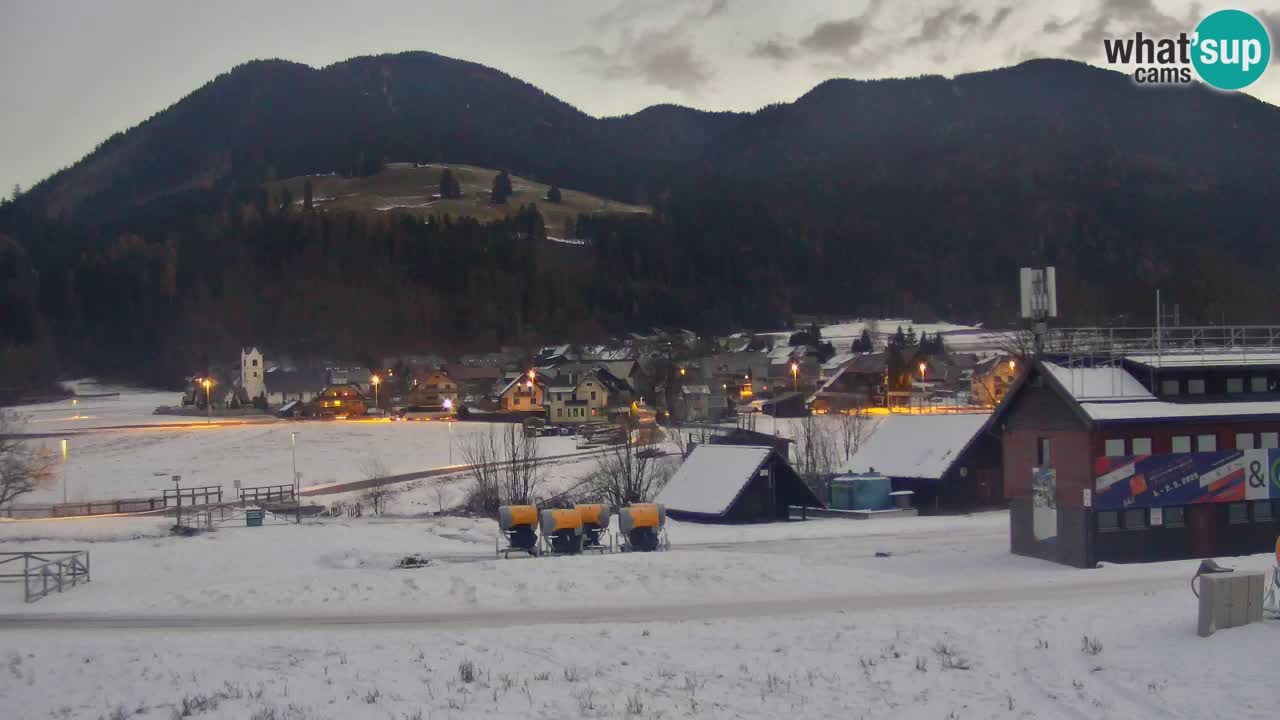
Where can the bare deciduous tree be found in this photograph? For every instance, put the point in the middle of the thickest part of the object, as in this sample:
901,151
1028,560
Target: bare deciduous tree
630,472
851,425
23,467
374,469
503,465
815,448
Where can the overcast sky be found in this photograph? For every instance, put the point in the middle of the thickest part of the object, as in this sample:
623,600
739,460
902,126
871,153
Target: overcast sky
73,72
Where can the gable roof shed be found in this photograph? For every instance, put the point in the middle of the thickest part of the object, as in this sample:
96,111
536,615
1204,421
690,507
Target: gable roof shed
735,483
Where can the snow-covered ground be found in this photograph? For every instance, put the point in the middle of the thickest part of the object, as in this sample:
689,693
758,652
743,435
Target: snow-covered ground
900,617
796,619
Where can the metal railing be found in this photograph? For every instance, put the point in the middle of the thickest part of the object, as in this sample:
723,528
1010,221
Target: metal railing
45,572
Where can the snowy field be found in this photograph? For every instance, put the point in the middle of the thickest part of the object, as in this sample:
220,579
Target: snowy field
138,459
797,619
119,449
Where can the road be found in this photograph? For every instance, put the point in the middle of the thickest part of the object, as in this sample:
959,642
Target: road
811,605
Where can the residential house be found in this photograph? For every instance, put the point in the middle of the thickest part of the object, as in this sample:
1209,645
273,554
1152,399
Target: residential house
992,379
340,399
432,390
860,383
593,397
473,382
283,386
351,374
524,393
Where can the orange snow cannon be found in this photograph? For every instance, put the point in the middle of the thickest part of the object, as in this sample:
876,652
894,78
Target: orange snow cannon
562,532
517,524
595,521
642,528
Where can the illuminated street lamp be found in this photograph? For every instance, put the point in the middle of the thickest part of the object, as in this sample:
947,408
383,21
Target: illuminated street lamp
681,372
795,375
376,382
64,471
922,369
208,397
1013,364
448,407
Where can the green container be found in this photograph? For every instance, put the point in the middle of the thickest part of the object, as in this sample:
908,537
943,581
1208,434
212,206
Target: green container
253,518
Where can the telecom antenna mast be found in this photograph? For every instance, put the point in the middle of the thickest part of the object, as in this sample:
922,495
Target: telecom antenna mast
1039,292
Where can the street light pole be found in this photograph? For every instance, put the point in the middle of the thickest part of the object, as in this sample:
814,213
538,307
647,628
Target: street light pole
297,489
448,406
375,381
208,398
64,471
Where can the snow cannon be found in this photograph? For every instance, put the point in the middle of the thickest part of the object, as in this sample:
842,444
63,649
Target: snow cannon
595,521
642,528
517,524
562,531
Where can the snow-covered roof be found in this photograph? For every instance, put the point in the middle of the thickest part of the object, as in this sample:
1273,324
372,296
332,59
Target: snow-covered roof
1220,358
710,479
915,446
696,390
1159,409
782,354
1112,394
839,359
1098,383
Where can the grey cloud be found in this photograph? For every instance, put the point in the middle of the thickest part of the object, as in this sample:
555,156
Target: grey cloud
969,19
936,26
718,7
1124,16
1054,26
998,18
676,68
836,37
777,50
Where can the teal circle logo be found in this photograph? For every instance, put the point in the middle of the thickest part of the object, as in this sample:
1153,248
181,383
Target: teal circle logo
1232,49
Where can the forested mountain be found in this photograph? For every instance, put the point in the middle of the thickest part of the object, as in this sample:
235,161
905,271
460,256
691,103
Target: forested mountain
160,250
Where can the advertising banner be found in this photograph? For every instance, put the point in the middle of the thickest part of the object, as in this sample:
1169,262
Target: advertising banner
1185,479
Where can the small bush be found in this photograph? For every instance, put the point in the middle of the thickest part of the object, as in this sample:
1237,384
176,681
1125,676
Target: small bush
635,706
467,671
571,674
1090,645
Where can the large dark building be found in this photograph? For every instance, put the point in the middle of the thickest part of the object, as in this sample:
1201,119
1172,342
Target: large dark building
1144,458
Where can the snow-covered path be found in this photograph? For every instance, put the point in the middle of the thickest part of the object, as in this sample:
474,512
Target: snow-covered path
661,612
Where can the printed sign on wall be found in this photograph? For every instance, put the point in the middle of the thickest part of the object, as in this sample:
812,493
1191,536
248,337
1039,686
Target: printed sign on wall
1184,479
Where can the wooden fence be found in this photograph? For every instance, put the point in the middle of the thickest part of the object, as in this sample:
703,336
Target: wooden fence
45,572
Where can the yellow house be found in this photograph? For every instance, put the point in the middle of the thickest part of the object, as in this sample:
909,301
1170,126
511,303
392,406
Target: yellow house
992,379
589,400
526,393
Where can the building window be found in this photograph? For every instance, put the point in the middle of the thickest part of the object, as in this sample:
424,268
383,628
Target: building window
1262,511
1181,444
1195,386
1141,446
255,362
1045,457
559,412
255,373
1258,384
1108,520
1135,519
1244,441
1235,385
1237,513
1168,387
1206,443
1175,517
593,394
1270,440
1115,448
